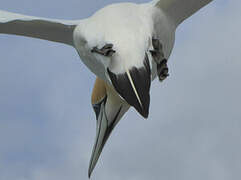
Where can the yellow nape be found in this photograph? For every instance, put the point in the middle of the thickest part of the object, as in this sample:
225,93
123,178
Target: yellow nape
99,91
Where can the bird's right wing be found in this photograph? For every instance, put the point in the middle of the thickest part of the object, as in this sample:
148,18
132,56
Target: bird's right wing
47,29
179,10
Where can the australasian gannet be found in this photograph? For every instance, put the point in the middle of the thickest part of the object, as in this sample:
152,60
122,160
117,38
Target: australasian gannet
126,45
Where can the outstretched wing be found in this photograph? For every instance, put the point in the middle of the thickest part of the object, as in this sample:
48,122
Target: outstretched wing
47,29
179,10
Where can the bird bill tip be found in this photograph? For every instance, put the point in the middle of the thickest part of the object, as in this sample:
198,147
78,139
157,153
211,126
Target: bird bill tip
102,135
90,172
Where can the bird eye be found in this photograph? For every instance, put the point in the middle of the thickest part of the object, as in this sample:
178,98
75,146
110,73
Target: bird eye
106,50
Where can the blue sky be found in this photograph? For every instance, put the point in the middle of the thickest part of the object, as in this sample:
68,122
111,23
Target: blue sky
47,126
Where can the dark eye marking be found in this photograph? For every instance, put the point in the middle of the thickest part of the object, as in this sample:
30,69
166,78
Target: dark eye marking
106,50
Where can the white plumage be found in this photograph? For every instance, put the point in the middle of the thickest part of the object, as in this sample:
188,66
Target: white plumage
125,45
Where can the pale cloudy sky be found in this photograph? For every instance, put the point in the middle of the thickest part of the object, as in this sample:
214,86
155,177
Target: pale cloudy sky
47,126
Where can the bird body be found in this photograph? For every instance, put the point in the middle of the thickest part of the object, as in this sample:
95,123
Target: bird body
126,45
135,26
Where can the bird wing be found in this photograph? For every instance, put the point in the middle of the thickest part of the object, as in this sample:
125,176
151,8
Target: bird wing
47,29
179,10
134,86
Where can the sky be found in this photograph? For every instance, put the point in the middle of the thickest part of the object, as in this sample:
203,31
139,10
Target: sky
47,125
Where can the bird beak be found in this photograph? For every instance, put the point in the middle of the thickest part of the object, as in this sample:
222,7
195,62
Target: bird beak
103,132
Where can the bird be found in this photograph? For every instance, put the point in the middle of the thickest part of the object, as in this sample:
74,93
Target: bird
126,45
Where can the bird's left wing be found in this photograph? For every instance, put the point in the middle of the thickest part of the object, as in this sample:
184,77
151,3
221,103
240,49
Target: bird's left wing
47,29
179,10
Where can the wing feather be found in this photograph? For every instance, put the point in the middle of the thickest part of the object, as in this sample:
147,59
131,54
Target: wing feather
179,10
47,29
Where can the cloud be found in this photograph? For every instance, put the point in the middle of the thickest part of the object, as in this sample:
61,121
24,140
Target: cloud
47,127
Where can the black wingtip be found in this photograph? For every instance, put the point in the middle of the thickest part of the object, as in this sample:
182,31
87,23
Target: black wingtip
145,113
141,78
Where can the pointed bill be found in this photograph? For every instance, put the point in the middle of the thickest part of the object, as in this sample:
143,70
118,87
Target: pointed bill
103,132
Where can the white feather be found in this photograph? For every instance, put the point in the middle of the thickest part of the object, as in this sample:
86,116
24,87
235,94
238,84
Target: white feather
43,28
128,26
